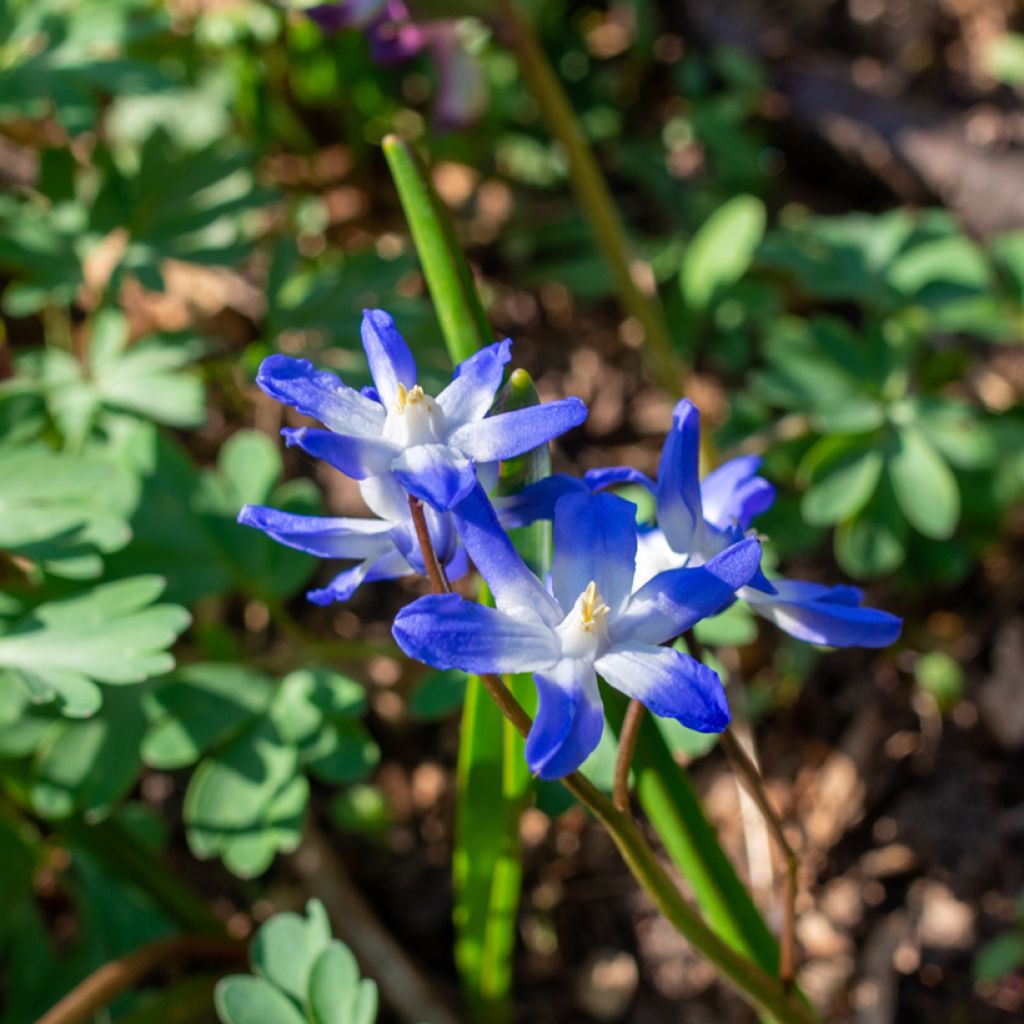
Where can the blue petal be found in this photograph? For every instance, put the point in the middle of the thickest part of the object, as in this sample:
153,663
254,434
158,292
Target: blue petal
612,476
675,600
448,632
510,580
829,616
391,362
357,457
321,395
471,392
537,500
436,474
680,515
324,536
388,566
732,494
669,683
595,540
569,719
512,433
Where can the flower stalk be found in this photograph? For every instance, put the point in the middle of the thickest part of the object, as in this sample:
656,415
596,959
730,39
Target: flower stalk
762,990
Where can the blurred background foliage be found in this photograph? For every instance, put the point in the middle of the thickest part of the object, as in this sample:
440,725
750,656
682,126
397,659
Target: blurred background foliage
189,186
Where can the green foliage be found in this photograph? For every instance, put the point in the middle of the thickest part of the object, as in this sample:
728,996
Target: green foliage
299,975
253,744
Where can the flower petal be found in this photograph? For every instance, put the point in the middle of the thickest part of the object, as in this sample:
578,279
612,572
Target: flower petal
673,601
446,631
391,362
512,433
388,566
537,500
669,683
595,540
680,515
320,394
357,457
324,536
569,722
733,494
435,473
830,616
471,392
612,476
515,588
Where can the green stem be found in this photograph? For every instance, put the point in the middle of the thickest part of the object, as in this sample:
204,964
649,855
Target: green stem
761,989
595,198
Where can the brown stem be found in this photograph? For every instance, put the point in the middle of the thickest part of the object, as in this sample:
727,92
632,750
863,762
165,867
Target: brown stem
106,983
435,571
628,736
760,988
749,775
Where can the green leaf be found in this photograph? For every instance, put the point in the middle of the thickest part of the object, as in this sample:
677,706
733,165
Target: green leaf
735,627
199,707
843,472
1000,957
112,634
462,317
674,809
244,1000
938,674
247,802
336,994
1004,59
438,694
288,945
924,484
874,542
722,250
87,766
63,511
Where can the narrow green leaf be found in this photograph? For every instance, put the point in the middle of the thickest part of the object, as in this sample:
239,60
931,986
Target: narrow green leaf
925,487
722,250
674,810
459,311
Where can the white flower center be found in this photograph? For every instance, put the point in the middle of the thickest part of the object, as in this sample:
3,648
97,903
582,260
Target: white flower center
414,419
584,631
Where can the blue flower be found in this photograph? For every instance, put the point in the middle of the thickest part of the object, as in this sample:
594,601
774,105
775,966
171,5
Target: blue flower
430,445
384,548
593,623
697,519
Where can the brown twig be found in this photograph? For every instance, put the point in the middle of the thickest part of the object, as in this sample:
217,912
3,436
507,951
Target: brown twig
749,775
628,736
435,571
106,983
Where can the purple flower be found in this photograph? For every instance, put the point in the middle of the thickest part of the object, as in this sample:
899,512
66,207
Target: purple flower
431,446
593,623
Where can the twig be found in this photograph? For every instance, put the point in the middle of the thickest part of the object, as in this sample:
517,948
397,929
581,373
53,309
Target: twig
759,987
435,571
747,771
628,736
402,983
106,983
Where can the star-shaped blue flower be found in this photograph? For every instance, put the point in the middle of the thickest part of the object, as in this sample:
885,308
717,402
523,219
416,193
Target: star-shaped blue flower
384,548
593,623
697,519
430,445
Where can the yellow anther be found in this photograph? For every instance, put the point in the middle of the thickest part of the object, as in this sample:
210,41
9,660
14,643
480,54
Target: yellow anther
402,396
416,395
593,606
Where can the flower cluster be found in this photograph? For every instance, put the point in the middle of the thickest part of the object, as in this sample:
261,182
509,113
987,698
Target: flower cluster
618,594
395,37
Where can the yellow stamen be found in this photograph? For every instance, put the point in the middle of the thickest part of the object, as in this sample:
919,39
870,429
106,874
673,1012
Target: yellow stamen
403,396
593,606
